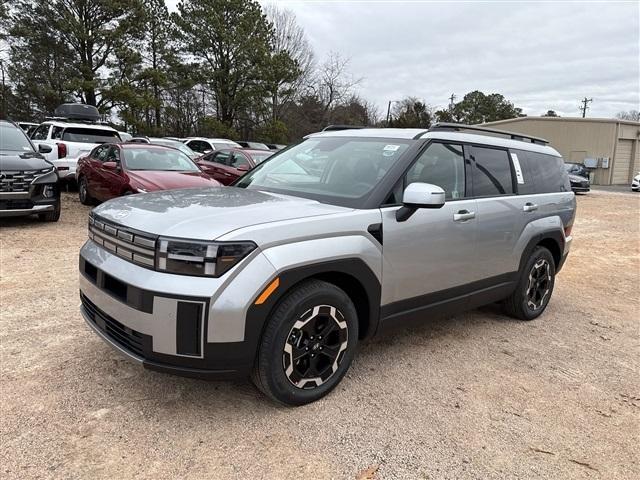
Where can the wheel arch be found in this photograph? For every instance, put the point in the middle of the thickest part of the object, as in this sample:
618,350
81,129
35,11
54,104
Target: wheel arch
551,240
352,275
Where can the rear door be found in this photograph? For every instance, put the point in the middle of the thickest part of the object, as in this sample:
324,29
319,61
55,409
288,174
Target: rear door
502,215
218,167
427,256
92,173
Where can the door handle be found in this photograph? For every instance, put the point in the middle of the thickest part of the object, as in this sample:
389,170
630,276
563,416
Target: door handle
463,216
530,207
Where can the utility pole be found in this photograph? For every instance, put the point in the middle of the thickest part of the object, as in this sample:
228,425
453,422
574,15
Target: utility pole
585,102
389,112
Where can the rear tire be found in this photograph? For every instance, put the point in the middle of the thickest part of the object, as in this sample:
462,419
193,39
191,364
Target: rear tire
52,216
308,344
534,289
83,192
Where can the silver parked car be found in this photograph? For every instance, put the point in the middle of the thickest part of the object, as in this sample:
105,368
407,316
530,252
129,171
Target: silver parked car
325,244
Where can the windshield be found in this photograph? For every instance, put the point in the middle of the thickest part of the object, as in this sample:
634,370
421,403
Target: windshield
164,159
12,138
331,167
89,135
175,144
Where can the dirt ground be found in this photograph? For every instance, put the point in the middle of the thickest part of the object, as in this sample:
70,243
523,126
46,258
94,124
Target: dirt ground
474,396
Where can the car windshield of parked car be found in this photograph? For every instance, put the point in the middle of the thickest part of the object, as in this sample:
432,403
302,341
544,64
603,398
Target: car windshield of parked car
165,159
89,135
13,139
176,144
327,167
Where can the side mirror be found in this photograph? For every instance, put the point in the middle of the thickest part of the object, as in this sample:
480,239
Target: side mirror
111,165
42,148
244,167
420,195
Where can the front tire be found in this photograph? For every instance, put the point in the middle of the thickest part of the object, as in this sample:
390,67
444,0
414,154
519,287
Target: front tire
308,344
534,288
52,216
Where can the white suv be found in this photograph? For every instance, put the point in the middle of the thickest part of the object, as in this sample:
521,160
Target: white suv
70,141
206,145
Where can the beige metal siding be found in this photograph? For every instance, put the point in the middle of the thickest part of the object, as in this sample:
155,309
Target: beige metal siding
622,163
636,162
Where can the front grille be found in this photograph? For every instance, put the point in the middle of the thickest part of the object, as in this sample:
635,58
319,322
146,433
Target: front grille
125,337
131,245
19,181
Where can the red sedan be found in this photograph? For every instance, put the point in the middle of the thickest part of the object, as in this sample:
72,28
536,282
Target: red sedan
229,164
112,170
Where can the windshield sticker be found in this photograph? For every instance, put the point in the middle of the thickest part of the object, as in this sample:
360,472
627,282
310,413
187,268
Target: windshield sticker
517,168
391,148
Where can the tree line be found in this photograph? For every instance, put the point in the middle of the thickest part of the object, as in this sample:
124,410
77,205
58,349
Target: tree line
216,68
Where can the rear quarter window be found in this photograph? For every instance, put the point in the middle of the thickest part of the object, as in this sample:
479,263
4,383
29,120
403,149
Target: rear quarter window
548,171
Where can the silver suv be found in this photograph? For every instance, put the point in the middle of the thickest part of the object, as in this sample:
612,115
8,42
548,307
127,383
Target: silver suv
329,242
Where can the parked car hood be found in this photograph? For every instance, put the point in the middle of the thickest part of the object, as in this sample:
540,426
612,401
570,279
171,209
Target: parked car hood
207,213
17,160
577,178
153,180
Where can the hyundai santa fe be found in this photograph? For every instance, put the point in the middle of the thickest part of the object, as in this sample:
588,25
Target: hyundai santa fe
329,242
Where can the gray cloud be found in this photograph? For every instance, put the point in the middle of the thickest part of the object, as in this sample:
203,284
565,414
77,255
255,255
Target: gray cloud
539,55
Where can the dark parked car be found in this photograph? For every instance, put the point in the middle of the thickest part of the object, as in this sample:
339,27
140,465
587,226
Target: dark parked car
228,165
28,182
578,176
112,170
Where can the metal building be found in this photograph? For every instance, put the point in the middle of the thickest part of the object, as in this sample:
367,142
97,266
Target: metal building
610,146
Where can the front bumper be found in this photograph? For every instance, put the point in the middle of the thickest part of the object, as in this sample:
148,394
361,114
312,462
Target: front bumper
191,326
32,201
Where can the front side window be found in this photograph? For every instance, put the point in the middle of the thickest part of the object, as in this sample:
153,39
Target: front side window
41,132
442,164
113,155
100,153
238,160
492,172
331,169
198,146
159,159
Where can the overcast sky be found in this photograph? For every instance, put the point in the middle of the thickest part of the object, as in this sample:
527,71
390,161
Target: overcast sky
539,55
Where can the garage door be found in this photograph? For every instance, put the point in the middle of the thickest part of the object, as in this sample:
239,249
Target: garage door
636,164
622,162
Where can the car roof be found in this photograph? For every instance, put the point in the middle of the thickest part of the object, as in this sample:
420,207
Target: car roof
421,133
95,126
220,140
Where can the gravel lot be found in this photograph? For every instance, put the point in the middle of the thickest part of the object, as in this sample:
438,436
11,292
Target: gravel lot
474,396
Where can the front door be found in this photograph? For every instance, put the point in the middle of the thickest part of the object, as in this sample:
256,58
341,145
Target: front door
431,255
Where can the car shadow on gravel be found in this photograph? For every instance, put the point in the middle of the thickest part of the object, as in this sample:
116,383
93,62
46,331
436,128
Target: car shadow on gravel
169,392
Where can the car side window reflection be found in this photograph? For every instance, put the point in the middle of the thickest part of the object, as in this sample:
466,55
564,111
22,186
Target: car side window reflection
442,164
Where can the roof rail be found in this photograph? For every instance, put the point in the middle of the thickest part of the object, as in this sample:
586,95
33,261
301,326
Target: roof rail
456,127
75,120
334,128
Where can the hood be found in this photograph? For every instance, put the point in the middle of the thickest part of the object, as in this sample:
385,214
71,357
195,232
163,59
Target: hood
153,180
207,213
15,160
577,178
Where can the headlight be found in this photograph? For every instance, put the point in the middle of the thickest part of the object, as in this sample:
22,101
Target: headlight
192,257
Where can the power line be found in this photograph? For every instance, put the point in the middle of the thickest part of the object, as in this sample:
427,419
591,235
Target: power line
585,106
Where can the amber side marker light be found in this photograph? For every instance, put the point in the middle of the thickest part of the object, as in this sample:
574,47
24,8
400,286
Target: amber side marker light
266,293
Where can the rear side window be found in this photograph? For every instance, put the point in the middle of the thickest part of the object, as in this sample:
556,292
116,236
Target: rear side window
492,172
89,135
549,172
